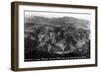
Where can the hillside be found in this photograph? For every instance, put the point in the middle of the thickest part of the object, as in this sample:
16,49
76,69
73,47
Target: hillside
57,36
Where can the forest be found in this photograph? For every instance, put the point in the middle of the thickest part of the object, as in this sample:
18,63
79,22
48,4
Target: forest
64,37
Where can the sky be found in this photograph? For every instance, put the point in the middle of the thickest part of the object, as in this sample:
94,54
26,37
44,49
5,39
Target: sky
49,14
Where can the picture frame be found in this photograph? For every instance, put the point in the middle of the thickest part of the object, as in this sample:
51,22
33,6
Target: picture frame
52,36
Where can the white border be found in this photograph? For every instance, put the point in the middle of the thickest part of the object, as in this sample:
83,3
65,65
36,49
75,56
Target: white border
23,64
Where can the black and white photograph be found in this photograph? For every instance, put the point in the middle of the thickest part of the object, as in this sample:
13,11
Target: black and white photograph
56,35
